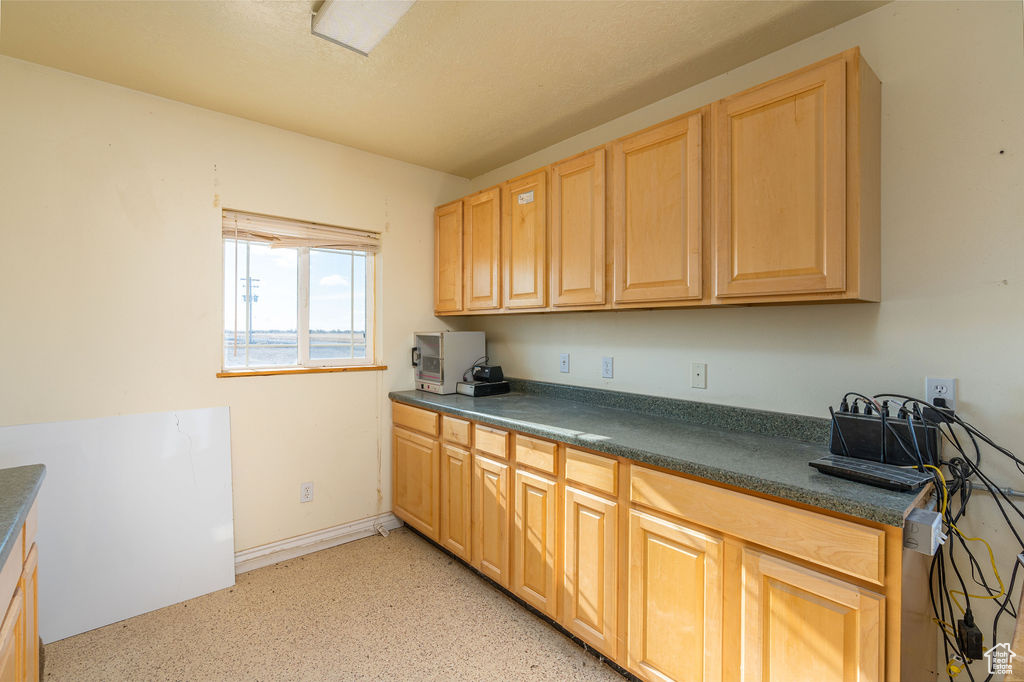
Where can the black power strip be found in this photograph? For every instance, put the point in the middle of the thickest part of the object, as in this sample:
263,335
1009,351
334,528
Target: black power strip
889,440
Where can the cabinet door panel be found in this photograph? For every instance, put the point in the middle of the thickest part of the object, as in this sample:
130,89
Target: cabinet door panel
416,470
534,544
525,241
448,258
801,625
675,601
12,647
656,180
590,575
482,227
30,585
780,225
578,231
490,518
456,483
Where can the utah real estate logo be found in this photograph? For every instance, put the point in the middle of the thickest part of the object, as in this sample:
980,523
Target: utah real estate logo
1000,659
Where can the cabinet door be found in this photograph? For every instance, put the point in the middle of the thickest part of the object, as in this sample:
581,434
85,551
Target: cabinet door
416,470
656,232
12,633
490,518
534,544
578,231
780,224
675,601
801,625
525,241
30,586
482,227
590,575
448,258
456,482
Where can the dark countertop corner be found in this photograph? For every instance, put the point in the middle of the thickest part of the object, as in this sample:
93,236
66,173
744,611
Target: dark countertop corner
18,489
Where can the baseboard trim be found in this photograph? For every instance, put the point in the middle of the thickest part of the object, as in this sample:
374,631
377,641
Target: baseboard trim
282,550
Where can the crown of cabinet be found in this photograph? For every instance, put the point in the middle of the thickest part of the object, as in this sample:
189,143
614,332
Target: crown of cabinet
770,195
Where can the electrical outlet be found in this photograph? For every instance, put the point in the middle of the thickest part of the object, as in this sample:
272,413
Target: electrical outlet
306,492
699,375
607,367
941,388
563,363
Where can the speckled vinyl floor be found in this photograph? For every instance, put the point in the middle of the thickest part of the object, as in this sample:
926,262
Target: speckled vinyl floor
393,608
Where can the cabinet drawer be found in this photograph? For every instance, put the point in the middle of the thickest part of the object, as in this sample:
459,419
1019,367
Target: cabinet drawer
414,418
833,543
539,454
455,430
600,473
494,442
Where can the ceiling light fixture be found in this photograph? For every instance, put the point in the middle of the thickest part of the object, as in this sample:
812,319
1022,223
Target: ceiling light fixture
358,24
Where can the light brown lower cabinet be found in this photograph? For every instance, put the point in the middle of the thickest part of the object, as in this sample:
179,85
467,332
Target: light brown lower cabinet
800,624
12,639
19,629
416,472
490,518
675,600
456,484
670,577
590,569
534,541
30,584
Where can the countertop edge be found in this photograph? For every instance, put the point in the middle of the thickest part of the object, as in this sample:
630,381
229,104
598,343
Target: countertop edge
849,507
24,506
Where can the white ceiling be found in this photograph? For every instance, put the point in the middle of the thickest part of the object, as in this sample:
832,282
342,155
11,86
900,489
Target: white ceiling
462,87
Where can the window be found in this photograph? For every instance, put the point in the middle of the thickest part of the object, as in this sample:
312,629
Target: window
296,294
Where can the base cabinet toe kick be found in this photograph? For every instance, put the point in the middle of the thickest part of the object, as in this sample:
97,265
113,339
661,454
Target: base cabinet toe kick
668,576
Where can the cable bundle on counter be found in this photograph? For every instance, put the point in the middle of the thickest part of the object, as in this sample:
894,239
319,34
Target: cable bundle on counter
951,595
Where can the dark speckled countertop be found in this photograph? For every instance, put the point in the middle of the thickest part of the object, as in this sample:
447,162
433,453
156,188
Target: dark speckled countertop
682,436
18,489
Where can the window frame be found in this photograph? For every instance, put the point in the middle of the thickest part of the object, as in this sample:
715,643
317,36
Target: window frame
304,362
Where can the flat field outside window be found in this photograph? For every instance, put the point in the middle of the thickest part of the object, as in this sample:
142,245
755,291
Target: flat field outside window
296,307
337,305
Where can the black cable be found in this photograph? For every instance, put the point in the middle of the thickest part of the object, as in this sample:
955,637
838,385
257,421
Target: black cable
1002,607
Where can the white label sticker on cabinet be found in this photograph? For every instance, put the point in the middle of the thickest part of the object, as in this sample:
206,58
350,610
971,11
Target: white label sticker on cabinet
526,197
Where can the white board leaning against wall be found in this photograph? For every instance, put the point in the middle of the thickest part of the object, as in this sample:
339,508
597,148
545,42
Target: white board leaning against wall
134,513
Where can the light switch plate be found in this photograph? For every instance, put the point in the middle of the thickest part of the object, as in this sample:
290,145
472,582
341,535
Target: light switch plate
699,375
563,363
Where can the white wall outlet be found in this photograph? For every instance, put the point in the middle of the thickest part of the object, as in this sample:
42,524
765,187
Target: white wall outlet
306,492
699,375
563,363
940,388
607,367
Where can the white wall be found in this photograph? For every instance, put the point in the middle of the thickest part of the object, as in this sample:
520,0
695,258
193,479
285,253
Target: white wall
111,278
952,249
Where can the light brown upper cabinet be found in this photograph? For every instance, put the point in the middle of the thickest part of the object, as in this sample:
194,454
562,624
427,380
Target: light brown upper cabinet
578,230
525,241
482,228
448,258
771,195
796,184
656,213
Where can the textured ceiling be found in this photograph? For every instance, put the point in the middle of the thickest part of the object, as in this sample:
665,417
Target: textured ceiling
462,87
